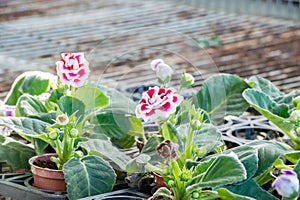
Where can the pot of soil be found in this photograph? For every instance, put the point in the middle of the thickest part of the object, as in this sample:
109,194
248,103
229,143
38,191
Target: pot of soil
45,173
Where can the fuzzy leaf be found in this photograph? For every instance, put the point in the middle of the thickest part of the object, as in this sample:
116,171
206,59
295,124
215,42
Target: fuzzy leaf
221,95
225,169
15,153
105,149
88,176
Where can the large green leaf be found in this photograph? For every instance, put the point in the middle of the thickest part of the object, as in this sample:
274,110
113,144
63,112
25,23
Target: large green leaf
105,149
251,189
265,86
248,156
274,112
117,124
223,170
92,97
25,126
71,105
15,153
268,153
118,102
225,194
88,176
221,95
33,82
287,99
33,130
29,106
208,138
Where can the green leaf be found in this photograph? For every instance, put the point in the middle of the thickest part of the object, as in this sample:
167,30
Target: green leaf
225,169
207,138
248,156
274,112
29,106
92,97
287,99
293,156
88,176
262,102
265,86
150,148
118,102
69,105
25,126
104,148
134,165
117,124
163,192
268,153
225,194
15,153
251,189
33,83
124,142
221,95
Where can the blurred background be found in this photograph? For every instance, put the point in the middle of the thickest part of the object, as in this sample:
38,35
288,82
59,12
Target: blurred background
120,37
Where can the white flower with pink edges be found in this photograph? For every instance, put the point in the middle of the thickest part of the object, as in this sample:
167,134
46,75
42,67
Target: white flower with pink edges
158,103
73,69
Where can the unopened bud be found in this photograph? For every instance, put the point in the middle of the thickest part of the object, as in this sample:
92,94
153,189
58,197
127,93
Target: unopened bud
53,135
187,80
74,133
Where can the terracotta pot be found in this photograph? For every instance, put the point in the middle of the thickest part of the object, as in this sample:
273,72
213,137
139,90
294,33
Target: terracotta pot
159,181
45,178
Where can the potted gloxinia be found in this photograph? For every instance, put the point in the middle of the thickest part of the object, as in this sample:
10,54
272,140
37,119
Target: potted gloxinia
187,134
76,120
188,151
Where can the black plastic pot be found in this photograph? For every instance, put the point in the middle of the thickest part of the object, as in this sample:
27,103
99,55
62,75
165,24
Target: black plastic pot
125,194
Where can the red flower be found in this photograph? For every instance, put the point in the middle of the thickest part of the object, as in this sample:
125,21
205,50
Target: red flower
73,69
158,103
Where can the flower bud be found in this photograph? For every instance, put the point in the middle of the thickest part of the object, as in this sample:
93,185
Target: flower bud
185,176
74,133
287,184
62,119
195,195
154,63
298,131
171,183
163,71
187,80
53,135
78,154
196,124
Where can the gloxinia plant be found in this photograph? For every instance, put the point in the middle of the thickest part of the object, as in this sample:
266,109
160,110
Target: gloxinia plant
280,108
186,134
74,118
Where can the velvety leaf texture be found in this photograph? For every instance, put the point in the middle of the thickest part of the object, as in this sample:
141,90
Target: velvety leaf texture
88,176
221,95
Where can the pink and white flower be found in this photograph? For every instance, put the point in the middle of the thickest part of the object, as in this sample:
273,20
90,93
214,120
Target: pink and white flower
73,69
163,71
158,103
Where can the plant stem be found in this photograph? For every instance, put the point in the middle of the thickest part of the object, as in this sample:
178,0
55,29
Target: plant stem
189,144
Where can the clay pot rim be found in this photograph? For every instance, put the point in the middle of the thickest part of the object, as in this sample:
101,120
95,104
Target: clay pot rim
32,159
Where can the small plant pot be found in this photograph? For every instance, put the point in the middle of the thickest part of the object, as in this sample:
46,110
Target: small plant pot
159,181
45,178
